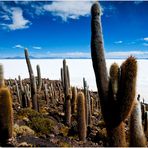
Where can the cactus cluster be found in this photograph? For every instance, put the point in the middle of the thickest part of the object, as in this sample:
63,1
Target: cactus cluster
117,92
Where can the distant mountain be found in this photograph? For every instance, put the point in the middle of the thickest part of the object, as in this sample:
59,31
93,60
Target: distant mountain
32,57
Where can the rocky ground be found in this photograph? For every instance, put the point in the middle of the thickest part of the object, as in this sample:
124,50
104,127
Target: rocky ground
47,127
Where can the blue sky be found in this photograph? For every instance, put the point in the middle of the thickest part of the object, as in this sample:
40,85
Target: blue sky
62,28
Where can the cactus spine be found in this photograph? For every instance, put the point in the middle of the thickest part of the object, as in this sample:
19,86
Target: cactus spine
82,129
116,100
32,82
137,137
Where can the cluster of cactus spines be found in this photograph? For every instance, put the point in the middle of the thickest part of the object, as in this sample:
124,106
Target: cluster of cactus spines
114,111
6,112
39,79
137,136
32,82
74,100
81,113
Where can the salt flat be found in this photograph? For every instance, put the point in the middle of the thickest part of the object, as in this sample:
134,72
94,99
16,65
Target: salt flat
78,68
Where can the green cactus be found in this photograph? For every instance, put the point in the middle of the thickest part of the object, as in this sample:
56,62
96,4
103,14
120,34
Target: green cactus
6,116
146,123
22,91
32,82
114,78
2,83
82,128
39,84
116,99
68,110
137,137
18,92
74,100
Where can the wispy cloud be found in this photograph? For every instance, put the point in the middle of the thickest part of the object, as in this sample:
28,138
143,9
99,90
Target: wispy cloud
36,47
18,46
118,42
18,21
69,9
145,39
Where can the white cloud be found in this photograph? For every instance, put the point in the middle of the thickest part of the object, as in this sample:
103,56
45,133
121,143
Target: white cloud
118,42
36,47
69,9
18,21
18,46
145,39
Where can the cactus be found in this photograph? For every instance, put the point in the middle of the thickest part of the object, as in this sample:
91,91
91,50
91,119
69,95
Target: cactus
146,123
74,100
2,83
143,108
92,105
39,84
137,137
82,129
114,78
68,110
116,99
18,92
46,94
32,82
6,116
22,90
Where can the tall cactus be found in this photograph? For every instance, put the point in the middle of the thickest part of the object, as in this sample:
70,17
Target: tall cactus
6,112
74,100
32,82
82,128
137,137
116,100
2,83
39,84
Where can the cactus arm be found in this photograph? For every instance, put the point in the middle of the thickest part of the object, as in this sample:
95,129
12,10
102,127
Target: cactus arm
137,137
98,57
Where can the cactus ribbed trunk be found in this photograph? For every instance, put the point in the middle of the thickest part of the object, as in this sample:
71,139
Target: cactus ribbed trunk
32,82
39,78
98,57
82,128
137,137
